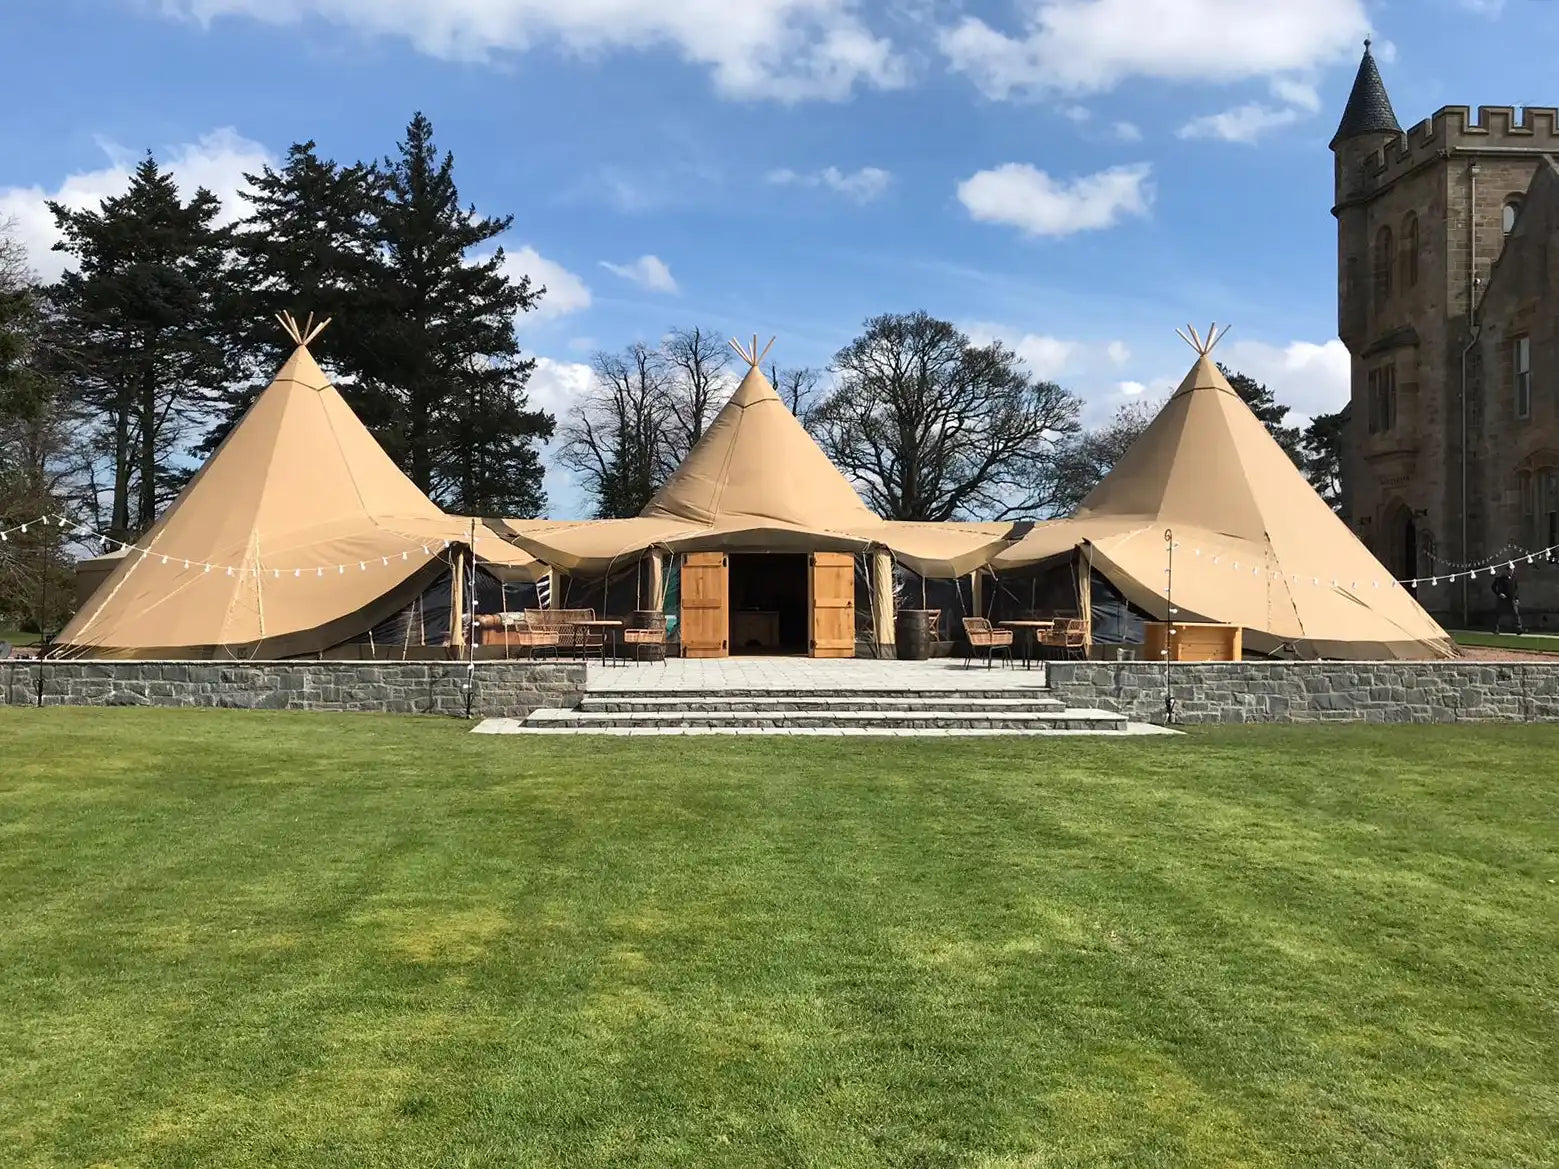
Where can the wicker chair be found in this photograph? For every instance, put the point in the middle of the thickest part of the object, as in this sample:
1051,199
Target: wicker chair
979,634
1070,636
557,624
649,632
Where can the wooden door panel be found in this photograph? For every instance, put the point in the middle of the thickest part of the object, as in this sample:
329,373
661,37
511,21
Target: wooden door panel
831,604
705,605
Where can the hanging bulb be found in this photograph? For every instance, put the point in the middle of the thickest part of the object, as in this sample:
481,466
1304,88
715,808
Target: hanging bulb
362,566
24,529
230,570
208,568
319,572
276,574
385,561
340,569
165,560
296,573
186,564
405,555
1435,582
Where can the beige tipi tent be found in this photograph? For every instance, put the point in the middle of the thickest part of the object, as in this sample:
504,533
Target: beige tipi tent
299,533
757,480
1254,545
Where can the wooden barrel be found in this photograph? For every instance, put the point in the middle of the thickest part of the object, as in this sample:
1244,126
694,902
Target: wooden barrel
913,634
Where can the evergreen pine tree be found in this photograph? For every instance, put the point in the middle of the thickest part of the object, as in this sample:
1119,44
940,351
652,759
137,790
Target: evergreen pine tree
307,246
442,376
137,333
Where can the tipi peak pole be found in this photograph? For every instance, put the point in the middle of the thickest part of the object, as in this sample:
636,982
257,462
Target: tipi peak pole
1202,345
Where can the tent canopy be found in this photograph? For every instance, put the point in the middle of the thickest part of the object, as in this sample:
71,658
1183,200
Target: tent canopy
298,532
757,481
1254,544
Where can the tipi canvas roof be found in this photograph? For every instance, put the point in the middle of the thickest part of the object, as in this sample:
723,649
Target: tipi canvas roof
297,533
1254,545
758,481
757,465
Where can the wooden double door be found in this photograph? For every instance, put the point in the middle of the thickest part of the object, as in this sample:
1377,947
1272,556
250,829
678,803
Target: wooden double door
706,605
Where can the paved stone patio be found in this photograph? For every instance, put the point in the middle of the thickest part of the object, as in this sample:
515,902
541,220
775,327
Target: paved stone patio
805,674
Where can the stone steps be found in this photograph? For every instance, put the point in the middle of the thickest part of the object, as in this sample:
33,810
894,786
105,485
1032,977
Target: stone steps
804,710
899,720
511,726
597,702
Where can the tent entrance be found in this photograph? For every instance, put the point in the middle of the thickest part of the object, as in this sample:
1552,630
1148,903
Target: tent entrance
769,603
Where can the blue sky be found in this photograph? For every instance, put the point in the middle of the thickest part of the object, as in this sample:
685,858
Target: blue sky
1077,177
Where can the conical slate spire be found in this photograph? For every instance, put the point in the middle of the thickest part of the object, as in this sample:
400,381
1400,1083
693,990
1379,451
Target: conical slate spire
1369,109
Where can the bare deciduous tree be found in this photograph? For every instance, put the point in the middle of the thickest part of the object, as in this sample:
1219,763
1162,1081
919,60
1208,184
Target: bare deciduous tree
797,388
695,362
614,439
933,427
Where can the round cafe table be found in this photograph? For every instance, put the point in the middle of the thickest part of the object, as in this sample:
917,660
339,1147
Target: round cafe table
1033,628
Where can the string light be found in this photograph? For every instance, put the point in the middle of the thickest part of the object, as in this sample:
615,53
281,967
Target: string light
84,532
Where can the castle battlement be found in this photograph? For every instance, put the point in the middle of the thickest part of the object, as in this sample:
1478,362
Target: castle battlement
1452,127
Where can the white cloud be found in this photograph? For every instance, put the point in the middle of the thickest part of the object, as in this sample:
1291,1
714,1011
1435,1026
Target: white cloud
1484,7
1088,46
1076,113
217,161
785,50
649,272
1309,378
555,386
1127,131
566,293
1245,123
1046,357
1021,196
863,185
1132,389
1294,92
1117,352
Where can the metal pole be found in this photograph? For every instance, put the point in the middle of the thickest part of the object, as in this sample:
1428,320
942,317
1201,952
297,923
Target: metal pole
1169,620
43,605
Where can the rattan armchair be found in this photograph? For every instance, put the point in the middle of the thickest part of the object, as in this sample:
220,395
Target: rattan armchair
979,634
649,632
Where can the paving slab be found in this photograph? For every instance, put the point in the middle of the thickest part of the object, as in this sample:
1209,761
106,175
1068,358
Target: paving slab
713,675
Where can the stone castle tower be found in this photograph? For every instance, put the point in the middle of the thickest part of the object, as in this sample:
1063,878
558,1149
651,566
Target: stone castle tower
1423,218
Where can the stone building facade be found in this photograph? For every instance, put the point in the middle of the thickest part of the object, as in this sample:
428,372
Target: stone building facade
1446,302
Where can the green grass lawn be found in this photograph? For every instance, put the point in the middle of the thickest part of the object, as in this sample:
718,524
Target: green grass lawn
1535,642
17,637
234,939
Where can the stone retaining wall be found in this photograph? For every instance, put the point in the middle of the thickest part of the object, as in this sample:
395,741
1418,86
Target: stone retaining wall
501,688
1291,692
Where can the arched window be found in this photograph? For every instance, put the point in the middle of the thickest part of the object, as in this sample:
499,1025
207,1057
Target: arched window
1410,251
1508,217
1383,262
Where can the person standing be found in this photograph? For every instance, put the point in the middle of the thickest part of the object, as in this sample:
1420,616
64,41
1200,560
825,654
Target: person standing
1507,601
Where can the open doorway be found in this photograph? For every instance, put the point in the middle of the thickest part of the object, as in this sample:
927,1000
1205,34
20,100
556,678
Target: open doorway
768,603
